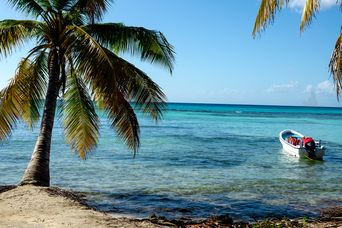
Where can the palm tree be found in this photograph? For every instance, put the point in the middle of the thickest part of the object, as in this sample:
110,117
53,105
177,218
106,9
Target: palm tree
77,59
266,15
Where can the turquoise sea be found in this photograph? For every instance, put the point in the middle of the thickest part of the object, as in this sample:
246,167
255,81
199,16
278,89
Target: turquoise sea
200,160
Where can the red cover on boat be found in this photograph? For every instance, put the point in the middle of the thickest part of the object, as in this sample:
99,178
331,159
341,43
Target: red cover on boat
308,139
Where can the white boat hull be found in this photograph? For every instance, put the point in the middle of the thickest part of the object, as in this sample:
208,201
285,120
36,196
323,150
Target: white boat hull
299,150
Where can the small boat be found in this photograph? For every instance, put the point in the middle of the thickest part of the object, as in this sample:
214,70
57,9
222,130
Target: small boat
296,144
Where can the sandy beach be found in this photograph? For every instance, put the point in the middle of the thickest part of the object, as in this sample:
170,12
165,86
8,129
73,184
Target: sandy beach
29,206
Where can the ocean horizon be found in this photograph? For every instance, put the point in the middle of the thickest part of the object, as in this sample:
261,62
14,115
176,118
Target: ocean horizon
248,104
202,159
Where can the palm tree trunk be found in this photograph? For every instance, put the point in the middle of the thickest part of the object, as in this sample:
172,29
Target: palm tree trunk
38,170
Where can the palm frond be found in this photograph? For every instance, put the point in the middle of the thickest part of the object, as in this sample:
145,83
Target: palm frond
147,95
79,38
33,87
309,11
31,7
93,9
119,111
75,18
29,107
138,87
24,95
147,44
14,32
114,82
335,65
10,109
121,115
88,56
61,5
266,14
125,121
101,76
80,119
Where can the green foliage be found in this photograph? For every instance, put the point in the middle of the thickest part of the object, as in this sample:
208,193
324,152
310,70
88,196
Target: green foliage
32,87
266,14
309,11
335,65
31,7
22,98
80,119
90,70
14,33
147,44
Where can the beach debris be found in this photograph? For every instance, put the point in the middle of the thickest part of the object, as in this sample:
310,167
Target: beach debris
332,213
77,197
211,222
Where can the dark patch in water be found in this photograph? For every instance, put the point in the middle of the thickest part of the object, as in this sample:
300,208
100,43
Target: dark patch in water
172,207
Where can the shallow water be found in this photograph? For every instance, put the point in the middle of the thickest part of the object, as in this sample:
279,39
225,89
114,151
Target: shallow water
200,160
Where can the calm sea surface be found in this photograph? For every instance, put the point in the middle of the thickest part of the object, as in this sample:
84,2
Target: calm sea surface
200,160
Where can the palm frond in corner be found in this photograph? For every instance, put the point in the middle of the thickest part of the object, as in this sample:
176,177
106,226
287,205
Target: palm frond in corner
310,9
335,65
266,14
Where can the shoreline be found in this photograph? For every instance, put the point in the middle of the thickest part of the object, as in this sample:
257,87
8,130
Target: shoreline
30,206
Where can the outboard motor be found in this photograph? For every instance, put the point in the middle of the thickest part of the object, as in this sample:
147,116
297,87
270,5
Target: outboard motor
310,147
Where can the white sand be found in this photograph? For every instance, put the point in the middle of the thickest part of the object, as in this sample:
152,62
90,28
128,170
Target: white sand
28,206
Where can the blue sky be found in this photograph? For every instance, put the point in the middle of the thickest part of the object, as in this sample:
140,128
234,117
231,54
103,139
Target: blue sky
218,61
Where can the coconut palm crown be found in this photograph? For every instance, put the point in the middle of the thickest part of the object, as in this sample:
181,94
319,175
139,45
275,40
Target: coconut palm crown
266,15
76,58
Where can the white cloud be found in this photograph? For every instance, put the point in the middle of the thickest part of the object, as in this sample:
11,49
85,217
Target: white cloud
325,87
324,4
297,4
309,88
312,99
328,3
282,87
322,88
